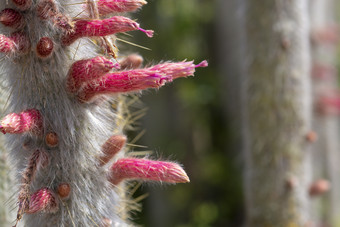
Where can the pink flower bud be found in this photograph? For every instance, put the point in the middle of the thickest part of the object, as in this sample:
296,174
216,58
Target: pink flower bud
138,79
11,18
23,4
27,121
43,200
37,160
143,169
7,44
322,71
329,104
16,43
97,28
328,34
112,6
44,47
22,42
132,61
85,70
48,10
111,147
319,187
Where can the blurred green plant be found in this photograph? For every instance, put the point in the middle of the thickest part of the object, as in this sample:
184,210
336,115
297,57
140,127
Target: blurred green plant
193,127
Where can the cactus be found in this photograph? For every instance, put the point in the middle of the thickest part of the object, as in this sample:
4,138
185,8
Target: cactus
63,119
276,113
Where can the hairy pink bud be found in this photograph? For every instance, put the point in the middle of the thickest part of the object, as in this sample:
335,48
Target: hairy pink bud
329,103
97,28
328,34
11,18
133,168
27,121
112,6
23,4
88,69
43,200
45,47
111,147
37,160
16,43
132,61
322,71
138,79
319,187
47,10
7,44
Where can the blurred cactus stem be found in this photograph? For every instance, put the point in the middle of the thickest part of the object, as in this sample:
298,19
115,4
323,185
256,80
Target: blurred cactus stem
276,112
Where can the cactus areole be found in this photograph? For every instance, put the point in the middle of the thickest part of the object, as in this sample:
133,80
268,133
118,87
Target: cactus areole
62,130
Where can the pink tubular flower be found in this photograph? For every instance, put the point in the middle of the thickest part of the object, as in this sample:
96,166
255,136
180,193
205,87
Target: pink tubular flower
138,79
43,200
97,28
133,168
112,6
88,69
11,18
27,121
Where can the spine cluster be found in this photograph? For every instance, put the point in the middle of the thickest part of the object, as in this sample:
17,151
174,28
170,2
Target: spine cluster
62,129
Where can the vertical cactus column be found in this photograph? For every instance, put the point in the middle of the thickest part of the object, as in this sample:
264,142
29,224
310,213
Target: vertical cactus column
62,131
277,113
324,39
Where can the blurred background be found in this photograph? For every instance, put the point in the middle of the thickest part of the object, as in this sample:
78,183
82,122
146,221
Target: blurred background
197,120
188,120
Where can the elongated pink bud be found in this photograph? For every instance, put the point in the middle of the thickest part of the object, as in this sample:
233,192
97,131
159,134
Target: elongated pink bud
37,160
132,61
112,6
16,43
319,187
329,104
23,4
88,69
43,200
11,18
48,10
27,121
143,169
138,79
324,71
97,28
329,34
111,147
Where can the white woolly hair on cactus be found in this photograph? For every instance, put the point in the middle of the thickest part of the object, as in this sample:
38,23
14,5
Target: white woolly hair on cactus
63,135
